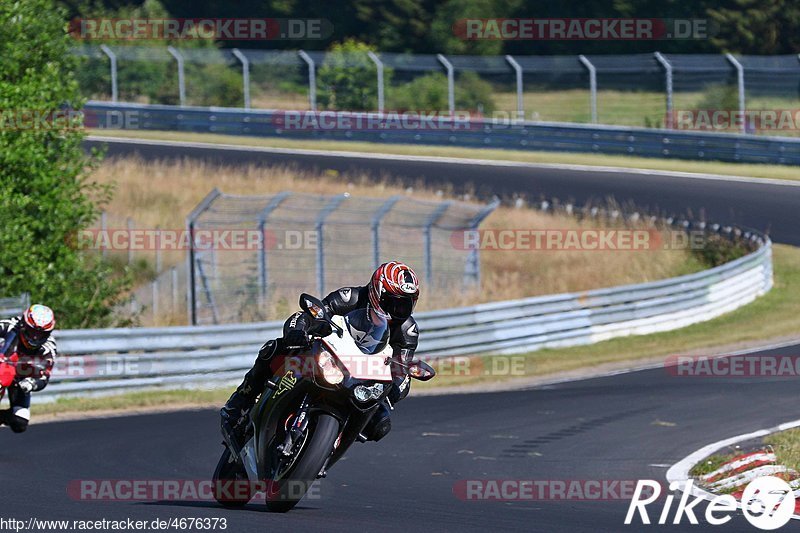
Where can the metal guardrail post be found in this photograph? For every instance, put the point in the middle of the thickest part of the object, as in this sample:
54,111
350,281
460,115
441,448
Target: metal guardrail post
262,223
191,281
155,298
181,81
129,227
376,228
472,268
245,75
312,79
670,120
432,219
451,93
379,65
592,85
740,82
112,57
518,70
323,214
103,227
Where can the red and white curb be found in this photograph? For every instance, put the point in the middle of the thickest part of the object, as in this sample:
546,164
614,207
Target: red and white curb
739,471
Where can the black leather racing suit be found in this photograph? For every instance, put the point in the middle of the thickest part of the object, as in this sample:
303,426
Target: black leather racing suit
19,414
402,338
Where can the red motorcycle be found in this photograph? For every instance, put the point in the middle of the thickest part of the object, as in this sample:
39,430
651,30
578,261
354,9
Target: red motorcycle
12,368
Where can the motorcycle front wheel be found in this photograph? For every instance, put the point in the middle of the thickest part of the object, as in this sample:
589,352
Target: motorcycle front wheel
229,484
287,488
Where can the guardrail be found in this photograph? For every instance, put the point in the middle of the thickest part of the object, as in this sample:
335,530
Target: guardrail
117,360
517,135
14,306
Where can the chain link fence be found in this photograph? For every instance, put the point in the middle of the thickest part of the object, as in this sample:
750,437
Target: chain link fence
630,90
253,255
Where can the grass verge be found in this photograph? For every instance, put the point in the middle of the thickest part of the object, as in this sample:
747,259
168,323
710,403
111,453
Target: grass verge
787,447
703,167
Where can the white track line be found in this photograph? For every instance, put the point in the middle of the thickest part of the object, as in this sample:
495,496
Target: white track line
444,160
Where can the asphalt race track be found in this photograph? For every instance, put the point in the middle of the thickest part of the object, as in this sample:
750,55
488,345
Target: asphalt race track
611,428
761,206
623,427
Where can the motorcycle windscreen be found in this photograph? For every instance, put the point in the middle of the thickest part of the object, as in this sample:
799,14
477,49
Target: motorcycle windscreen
369,330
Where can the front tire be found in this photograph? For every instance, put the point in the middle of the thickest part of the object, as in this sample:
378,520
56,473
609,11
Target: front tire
284,493
230,485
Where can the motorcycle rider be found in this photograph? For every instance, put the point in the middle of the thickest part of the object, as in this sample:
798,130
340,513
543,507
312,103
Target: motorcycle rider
392,291
29,336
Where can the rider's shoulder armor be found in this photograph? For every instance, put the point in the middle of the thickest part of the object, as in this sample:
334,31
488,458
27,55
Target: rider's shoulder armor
346,299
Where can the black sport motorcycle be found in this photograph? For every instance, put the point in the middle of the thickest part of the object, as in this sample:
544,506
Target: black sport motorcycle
314,407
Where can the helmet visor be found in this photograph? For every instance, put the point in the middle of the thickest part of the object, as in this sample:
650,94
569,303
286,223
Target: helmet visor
398,307
34,338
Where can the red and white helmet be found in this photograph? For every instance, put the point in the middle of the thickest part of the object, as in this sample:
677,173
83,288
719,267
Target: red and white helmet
37,323
394,290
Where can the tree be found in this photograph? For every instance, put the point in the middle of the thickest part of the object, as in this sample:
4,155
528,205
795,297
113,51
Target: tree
348,78
47,194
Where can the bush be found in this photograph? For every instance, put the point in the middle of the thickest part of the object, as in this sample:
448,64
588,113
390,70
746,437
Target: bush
429,93
348,79
47,195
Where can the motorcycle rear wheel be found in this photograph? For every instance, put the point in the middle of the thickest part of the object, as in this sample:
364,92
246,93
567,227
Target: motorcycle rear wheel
284,493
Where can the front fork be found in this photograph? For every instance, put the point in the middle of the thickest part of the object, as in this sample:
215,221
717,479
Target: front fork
299,425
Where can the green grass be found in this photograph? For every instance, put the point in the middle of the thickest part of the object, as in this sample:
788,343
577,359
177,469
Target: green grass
708,167
787,447
710,464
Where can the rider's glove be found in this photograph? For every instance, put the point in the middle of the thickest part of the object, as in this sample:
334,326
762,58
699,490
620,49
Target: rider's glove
26,385
295,339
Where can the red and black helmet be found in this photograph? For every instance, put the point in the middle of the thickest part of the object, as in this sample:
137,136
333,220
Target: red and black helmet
37,323
394,290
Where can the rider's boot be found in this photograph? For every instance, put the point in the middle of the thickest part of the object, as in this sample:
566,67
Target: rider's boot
237,408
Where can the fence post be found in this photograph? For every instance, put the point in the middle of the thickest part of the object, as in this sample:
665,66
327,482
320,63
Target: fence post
207,290
245,75
379,65
181,82
174,279
155,299
376,228
740,82
472,269
112,57
432,219
262,222
329,208
669,122
103,224
129,224
312,79
191,293
451,97
592,85
518,70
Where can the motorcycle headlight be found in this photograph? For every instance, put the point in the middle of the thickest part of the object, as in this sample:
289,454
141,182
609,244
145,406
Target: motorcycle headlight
364,393
330,370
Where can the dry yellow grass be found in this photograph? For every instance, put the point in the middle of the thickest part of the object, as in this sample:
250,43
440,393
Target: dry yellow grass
160,194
